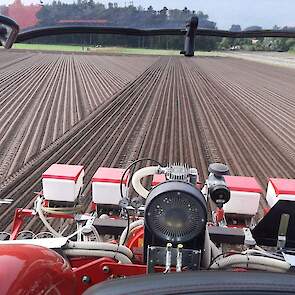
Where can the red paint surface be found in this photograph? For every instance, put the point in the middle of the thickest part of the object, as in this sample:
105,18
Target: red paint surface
18,221
283,186
242,184
94,270
135,243
28,269
63,171
25,16
158,178
111,175
219,214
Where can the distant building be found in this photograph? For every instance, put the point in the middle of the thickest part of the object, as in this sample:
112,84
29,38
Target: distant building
24,15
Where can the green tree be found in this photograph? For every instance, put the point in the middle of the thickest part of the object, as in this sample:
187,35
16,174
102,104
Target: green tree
225,43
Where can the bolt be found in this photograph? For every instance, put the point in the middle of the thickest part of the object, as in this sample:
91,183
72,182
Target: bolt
106,269
86,279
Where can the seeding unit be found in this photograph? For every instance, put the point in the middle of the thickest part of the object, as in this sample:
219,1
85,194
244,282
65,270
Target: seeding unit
131,231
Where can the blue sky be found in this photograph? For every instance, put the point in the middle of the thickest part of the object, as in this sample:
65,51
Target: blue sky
266,13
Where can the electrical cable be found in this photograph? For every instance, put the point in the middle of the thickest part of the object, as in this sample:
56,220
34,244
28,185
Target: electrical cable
129,167
90,245
63,210
129,180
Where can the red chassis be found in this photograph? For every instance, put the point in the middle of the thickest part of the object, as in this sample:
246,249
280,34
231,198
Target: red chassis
66,277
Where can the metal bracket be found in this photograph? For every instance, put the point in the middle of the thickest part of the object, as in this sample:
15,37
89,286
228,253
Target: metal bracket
156,256
249,240
284,223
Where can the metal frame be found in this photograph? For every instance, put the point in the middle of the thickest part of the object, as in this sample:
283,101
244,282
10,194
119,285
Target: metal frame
21,214
78,29
104,268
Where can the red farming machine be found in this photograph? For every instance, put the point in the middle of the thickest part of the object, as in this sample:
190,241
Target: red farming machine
130,231
150,230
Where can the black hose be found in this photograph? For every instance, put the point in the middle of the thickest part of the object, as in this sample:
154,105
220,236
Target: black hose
121,187
129,167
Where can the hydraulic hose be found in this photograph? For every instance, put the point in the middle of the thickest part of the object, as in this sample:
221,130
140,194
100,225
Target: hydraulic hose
40,209
43,219
61,211
251,262
262,253
98,253
100,246
138,175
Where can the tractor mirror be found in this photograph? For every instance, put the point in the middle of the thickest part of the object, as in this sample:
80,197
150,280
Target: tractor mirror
8,31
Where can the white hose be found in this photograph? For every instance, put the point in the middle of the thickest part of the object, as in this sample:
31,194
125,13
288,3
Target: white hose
131,226
100,246
98,253
138,175
43,219
51,229
262,253
206,258
214,250
251,262
262,268
62,211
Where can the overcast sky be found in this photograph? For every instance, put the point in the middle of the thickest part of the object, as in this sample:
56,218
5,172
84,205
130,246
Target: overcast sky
266,13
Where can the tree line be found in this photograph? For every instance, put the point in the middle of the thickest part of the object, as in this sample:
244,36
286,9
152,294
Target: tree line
58,13
258,44
130,16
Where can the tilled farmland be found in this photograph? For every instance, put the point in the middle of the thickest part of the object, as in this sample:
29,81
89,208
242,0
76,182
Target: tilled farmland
110,110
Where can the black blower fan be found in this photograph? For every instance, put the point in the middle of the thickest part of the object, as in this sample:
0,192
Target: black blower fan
175,213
